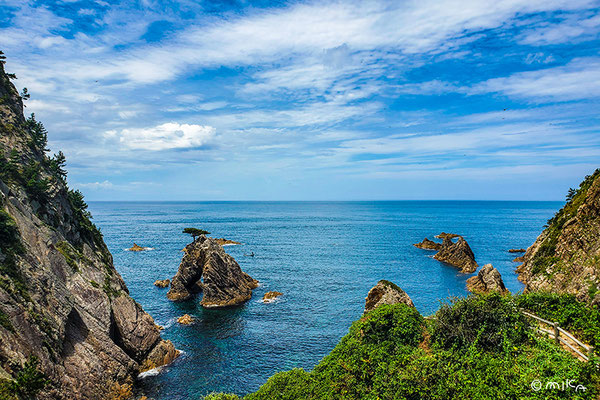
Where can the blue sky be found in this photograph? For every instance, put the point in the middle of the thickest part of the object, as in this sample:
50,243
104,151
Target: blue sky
240,100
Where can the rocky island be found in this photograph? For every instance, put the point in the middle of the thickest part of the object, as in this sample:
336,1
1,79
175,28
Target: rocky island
385,292
457,254
487,280
63,305
207,268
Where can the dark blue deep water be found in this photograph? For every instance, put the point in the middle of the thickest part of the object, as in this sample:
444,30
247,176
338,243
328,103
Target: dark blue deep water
324,257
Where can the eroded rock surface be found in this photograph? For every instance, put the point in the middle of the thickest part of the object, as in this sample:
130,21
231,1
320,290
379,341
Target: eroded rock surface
487,280
565,257
385,292
270,296
207,268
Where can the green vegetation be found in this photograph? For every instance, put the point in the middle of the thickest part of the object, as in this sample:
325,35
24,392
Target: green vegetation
5,322
72,255
194,232
577,317
479,347
28,382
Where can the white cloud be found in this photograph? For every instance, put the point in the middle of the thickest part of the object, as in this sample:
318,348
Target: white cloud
163,137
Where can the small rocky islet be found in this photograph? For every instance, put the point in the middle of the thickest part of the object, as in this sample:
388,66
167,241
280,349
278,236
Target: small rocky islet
456,253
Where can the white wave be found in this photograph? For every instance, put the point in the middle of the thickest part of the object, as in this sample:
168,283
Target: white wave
150,372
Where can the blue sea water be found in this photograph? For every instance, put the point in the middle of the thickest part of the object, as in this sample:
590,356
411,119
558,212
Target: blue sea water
324,257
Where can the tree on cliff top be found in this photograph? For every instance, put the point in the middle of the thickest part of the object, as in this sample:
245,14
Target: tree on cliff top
195,232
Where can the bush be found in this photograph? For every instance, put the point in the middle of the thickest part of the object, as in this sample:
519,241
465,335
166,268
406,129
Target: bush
575,316
492,321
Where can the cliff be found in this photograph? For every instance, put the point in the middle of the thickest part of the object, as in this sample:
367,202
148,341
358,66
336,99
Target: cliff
61,299
207,268
565,258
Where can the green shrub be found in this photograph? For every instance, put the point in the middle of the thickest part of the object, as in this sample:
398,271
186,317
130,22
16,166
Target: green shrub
492,321
28,382
575,316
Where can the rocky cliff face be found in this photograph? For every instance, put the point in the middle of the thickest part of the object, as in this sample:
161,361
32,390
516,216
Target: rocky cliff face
61,298
207,268
385,292
566,256
458,254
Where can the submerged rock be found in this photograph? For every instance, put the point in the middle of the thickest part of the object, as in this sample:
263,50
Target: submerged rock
185,319
135,247
226,242
427,244
162,283
207,268
457,254
270,296
487,280
385,292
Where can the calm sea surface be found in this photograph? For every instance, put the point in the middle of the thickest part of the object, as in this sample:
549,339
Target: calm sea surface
324,257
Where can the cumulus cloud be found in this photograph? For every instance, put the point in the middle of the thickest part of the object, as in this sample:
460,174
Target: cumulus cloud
164,137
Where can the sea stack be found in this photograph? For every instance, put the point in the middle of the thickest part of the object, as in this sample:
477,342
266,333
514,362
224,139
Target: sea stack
385,292
487,280
427,244
207,268
458,254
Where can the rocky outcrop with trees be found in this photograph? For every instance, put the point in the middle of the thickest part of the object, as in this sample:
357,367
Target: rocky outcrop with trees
207,268
385,292
64,309
565,258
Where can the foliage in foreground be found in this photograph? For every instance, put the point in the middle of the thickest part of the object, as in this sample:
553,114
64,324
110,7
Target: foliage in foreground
28,382
478,347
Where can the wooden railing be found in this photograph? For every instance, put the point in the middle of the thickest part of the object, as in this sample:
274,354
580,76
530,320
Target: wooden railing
584,351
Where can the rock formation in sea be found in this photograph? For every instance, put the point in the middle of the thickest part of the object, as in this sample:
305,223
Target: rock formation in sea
565,257
162,283
61,299
385,292
135,247
226,242
185,319
517,250
519,259
270,296
445,235
207,268
487,280
458,254
427,244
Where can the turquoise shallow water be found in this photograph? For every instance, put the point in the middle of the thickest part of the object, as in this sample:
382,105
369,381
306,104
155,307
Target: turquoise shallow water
324,257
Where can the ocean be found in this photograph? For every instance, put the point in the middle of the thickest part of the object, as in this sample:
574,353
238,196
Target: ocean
324,257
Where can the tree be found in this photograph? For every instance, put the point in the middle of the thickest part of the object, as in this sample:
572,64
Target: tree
194,232
25,94
2,58
39,134
572,192
57,165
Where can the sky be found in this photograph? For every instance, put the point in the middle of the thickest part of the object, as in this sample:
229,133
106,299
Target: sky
325,100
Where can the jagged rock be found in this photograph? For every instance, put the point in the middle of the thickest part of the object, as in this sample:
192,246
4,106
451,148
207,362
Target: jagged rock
162,354
135,247
270,296
427,244
517,250
487,280
564,258
185,319
64,302
519,259
385,292
458,254
208,268
445,235
226,242
162,283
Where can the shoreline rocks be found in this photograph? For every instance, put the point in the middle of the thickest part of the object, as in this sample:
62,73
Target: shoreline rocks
487,280
162,283
207,268
385,292
269,297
